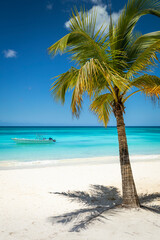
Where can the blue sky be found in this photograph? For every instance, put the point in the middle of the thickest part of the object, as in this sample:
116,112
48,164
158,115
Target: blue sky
27,29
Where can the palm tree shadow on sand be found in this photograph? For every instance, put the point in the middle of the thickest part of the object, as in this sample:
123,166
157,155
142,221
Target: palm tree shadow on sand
97,201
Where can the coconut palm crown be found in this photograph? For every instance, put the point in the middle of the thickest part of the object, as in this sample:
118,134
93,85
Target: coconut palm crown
111,67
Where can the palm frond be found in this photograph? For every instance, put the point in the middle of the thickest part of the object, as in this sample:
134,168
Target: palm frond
64,82
130,16
149,84
89,79
102,107
83,21
85,82
112,77
60,46
83,42
141,44
145,59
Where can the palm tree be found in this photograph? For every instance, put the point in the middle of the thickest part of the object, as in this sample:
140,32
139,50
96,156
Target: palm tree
110,69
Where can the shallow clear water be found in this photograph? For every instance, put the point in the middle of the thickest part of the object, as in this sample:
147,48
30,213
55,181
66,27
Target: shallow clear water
76,142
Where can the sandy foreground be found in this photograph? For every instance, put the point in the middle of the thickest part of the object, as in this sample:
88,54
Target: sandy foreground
76,202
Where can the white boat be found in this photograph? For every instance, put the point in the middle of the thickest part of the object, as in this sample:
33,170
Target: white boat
36,140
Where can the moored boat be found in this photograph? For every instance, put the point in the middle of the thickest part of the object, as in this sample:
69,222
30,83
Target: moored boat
36,140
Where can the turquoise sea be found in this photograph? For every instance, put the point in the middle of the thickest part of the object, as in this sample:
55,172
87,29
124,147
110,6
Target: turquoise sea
75,142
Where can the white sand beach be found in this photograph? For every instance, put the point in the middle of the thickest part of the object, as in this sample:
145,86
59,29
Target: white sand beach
76,201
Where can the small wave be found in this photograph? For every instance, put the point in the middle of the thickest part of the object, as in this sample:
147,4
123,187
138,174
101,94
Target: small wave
75,161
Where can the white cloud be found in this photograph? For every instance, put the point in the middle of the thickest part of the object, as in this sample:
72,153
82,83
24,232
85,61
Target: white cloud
96,1
49,6
67,24
103,17
10,53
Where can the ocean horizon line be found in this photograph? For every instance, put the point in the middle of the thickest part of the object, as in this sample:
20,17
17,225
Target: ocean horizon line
85,126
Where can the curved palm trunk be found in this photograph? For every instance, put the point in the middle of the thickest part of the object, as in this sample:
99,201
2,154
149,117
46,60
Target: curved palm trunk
130,197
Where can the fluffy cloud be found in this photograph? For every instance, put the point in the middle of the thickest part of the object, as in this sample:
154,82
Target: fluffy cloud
10,53
49,6
103,17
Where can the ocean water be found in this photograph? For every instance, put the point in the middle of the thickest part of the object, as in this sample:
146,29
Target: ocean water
75,142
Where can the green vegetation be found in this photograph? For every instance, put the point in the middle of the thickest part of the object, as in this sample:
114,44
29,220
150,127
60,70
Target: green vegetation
111,67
